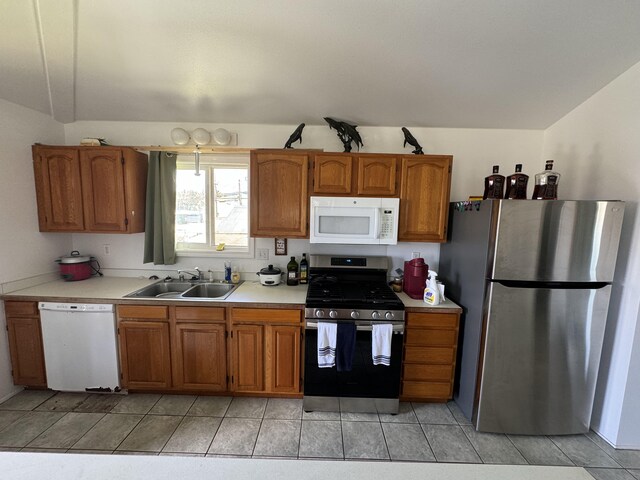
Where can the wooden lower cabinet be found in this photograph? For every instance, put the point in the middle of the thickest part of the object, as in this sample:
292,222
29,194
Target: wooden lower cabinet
145,357
200,357
430,348
25,344
173,348
266,346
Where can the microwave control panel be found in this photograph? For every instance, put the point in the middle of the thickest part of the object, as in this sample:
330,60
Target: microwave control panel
386,223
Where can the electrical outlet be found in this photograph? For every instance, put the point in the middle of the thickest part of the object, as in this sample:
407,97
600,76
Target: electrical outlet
107,249
263,254
415,254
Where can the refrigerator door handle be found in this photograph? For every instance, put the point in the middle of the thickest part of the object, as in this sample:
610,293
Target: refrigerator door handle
552,285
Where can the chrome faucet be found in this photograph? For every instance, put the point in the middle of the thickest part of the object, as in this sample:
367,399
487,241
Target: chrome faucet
198,273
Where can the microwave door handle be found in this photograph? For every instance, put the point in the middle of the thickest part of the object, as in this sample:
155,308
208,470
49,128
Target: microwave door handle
376,224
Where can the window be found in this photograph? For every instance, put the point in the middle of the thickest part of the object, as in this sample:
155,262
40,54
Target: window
213,208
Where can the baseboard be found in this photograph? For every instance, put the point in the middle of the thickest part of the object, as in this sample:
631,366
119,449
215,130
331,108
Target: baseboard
11,394
615,445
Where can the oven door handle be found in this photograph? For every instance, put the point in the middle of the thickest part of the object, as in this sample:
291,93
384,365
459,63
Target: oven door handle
367,327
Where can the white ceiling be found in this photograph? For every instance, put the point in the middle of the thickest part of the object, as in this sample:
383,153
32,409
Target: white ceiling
429,63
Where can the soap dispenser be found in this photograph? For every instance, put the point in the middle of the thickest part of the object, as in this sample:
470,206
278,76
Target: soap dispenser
431,291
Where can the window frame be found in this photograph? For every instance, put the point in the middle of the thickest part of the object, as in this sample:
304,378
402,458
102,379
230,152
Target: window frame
208,164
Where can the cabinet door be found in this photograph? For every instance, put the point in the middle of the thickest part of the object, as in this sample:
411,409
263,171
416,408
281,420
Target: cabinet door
144,354
424,198
279,195
377,175
332,173
103,190
27,355
283,356
58,189
200,357
248,358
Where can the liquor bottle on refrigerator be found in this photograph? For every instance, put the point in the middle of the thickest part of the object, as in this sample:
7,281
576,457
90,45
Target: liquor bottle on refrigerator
292,272
304,269
494,185
517,184
546,187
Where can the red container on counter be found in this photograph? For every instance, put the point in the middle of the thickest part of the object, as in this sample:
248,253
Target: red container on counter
415,277
75,266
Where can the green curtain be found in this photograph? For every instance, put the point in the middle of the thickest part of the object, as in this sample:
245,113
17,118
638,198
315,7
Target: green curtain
160,216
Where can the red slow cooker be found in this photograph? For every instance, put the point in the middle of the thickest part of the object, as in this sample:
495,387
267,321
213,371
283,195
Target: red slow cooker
77,267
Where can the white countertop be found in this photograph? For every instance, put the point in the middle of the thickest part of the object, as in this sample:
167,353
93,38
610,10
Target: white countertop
254,292
98,289
412,303
94,288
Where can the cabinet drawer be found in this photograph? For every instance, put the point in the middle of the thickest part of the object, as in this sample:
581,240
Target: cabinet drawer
425,390
436,355
261,315
143,311
428,373
21,309
209,314
431,337
432,320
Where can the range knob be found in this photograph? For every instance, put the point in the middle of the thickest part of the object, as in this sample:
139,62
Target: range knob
355,314
388,315
333,313
319,313
375,315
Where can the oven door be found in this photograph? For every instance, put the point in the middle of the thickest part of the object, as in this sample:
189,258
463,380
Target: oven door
370,388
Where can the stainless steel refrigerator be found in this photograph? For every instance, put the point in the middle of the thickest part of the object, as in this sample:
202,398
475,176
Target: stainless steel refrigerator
534,280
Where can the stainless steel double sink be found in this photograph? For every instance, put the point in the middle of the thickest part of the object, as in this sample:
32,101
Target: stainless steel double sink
191,290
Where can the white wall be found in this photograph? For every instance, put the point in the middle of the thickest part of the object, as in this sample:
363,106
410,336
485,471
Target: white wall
474,151
25,253
597,148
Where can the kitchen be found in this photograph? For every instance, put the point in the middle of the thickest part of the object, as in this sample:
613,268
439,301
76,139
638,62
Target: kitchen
594,146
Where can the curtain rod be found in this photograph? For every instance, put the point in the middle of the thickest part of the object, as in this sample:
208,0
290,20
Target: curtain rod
192,149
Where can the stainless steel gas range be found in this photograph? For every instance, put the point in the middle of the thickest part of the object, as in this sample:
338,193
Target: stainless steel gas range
352,290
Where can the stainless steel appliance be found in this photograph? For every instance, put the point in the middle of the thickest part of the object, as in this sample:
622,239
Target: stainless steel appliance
534,279
352,289
354,220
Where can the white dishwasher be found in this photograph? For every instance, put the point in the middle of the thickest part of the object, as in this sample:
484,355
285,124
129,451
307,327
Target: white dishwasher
80,346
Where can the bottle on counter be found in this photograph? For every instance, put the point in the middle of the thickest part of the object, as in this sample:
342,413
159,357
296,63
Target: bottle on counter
292,272
235,275
517,184
546,187
304,269
227,272
494,185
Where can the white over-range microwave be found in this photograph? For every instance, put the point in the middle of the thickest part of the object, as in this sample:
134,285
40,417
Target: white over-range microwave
354,220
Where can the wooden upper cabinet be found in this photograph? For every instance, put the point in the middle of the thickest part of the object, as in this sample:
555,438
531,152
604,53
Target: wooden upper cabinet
332,174
424,198
103,194
279,193
90,189
58,189
377,175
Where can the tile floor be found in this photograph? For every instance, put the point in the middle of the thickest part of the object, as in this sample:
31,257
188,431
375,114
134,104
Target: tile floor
187,425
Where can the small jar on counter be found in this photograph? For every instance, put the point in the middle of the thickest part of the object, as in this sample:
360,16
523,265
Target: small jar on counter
396,284
235,275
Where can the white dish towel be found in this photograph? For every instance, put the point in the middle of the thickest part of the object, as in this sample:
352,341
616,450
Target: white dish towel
327,334
381,344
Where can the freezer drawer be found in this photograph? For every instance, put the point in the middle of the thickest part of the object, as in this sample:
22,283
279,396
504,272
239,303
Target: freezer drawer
540,359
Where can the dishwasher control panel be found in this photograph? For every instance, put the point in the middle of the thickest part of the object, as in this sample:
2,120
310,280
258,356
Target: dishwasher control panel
76,307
